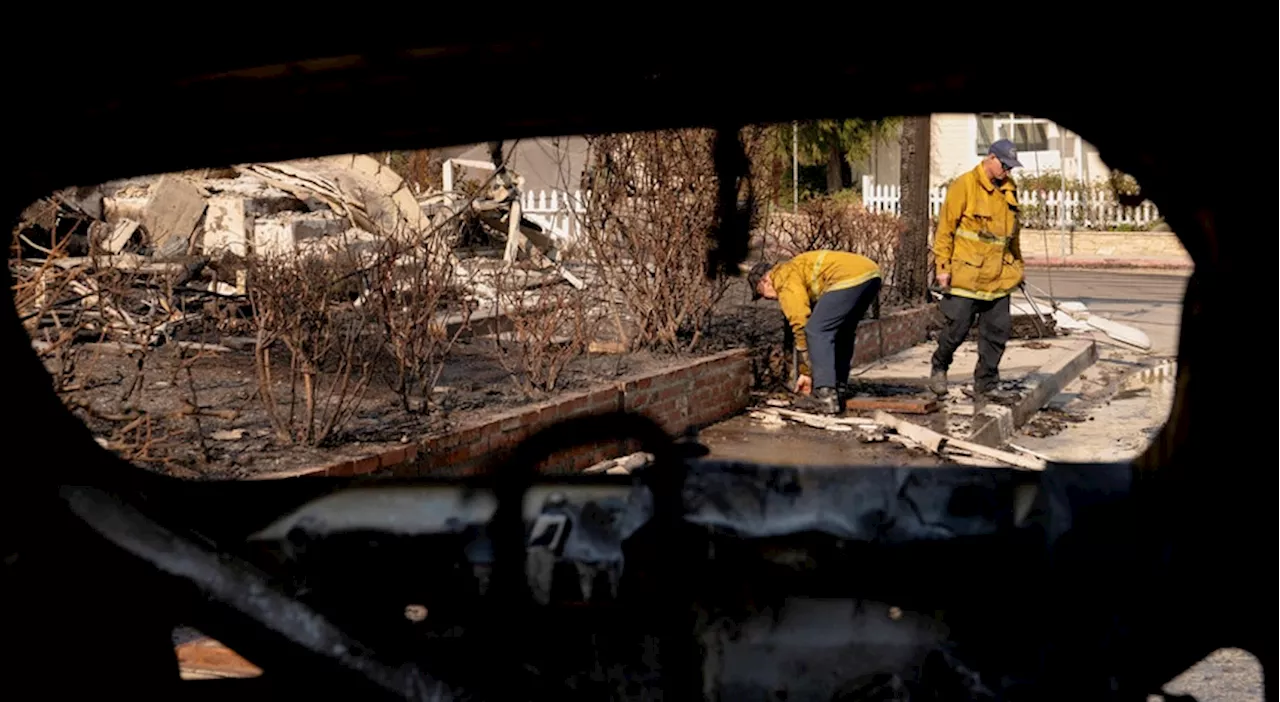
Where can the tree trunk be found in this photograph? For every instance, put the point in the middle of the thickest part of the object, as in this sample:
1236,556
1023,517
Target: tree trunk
911,275
835,163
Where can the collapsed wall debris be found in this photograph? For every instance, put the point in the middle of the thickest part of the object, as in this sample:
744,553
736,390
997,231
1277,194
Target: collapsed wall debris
199,230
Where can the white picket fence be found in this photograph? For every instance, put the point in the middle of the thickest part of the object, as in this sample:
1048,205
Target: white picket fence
559,211
1050,208
556,211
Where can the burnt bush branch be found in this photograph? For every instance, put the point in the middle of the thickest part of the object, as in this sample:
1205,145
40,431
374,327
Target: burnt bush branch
297,306
652,209
827,223
552,324
415,297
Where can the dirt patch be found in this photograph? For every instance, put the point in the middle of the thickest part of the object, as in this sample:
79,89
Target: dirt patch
197,413
200,416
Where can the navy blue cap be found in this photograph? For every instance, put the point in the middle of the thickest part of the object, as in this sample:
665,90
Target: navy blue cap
1008,155
758,271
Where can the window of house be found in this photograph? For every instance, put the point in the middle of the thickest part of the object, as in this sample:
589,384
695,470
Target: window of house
1027,133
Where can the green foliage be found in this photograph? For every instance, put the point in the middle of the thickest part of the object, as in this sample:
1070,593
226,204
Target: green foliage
1120,188
847,198
853,140
812,181
1052,181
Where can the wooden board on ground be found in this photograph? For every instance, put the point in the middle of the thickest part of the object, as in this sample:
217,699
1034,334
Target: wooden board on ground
939,443
912,405
867,430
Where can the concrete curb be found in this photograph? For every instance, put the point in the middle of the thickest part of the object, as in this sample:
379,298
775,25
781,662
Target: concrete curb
996,424
1106,262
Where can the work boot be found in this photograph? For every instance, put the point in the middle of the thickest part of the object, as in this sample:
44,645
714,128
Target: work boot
938,382
823,401
999,396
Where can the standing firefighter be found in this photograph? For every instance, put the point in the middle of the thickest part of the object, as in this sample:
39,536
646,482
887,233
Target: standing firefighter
823,295
979,264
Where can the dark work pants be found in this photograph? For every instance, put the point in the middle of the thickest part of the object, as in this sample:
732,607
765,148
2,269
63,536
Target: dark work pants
832,329
994,326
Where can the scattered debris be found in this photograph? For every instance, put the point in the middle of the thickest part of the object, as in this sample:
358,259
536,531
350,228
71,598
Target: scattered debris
1121,332
610,347
813,420
623,465
1025,324
952,448
184,239
868,430
227,435
769,419
1029,452
1072,315
1165,371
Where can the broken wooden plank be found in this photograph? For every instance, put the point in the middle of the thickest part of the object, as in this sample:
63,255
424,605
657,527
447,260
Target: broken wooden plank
610,347
852,421
813,420
1029,452
926,438
933,441
120,236
970,461
912,405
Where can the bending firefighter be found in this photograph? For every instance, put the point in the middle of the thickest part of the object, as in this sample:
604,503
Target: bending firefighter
978,261
823,295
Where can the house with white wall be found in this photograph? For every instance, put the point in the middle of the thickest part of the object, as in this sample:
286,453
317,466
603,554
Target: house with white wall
959,141
545,163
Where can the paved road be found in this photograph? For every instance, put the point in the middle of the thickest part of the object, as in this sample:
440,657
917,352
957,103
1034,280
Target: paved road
1150,301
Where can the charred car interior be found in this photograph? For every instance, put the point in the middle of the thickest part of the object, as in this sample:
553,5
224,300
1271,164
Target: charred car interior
693,578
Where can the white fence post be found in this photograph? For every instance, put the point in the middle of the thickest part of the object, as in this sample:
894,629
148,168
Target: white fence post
1090,211
556,211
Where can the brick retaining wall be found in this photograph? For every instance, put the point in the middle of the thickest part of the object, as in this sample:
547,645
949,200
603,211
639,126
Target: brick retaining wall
899,331
690,395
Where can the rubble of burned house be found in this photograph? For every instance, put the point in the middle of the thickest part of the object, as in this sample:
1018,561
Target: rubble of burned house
199,230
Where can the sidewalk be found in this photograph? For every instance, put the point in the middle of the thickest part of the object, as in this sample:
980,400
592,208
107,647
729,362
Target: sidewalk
911,367
1094,261
1037,368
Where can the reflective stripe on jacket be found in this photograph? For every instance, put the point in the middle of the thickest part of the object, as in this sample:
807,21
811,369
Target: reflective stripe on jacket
802,280
977,240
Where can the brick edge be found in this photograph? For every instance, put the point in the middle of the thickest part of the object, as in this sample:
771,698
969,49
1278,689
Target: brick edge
689,395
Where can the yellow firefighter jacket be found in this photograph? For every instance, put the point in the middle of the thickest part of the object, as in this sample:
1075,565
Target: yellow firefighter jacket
802,280
977,240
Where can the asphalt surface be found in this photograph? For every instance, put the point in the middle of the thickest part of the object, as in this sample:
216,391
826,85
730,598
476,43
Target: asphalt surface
1150,301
